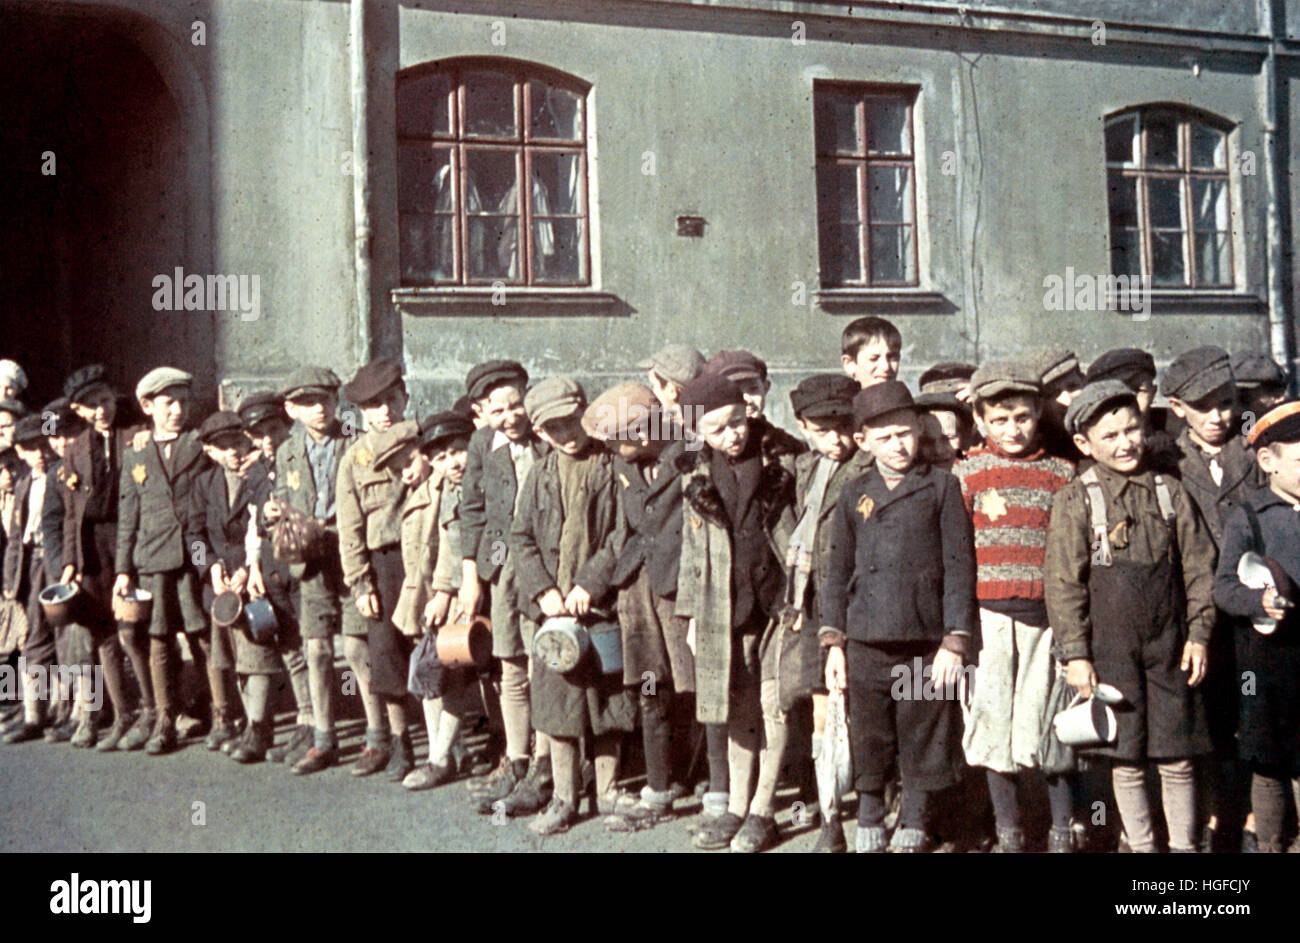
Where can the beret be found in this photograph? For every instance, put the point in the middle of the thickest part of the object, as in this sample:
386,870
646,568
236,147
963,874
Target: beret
1054,363
627,412
13,374
1196,373
485,375
80,382
737,365
554,398
880,399
707,392
159,379
445,425
1092,398
1254,369
1279,424
947,377
1007,376
1126,364
680,363
372,380
13,407
308,380
824,394
218,424
29,429
389,443
261,405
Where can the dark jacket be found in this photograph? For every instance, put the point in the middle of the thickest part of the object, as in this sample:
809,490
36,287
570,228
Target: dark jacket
487,503
77,480
1280,536
857,465
216,528
53,513
1241,477
154,505
902,561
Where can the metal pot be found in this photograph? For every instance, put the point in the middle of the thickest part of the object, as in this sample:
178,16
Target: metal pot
465,644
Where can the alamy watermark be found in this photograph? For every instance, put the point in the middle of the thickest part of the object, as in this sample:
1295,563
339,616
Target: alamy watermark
1085,292
193,292
52,682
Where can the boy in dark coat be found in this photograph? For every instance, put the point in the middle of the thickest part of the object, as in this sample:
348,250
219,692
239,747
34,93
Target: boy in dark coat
1128,578
899,607
1268,523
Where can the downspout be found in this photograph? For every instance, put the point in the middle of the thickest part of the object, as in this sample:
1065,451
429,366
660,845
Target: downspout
1281,338
360,62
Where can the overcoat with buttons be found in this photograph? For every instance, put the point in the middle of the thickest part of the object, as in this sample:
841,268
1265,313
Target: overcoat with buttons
369,503
487,505
153,505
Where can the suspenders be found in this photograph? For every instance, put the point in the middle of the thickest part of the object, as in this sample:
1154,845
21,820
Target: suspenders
1101,555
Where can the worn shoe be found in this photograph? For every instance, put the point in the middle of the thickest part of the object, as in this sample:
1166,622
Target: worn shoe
230,746
163,739
1011,841
426,776
301,738
831,840
315,760
60,732
718,833
554,820
1249,842
254,744
112,739
757,833
532,793
1060,841
499,785
224,728
369,762
612,803
401,758
23,733
910,841
87,732
138,734
639,817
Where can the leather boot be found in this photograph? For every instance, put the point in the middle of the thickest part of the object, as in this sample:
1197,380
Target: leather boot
87,731
223,728
255,744
139,732
402,760
533,792
163,739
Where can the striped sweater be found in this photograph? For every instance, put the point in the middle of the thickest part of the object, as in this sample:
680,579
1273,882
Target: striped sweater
1010,501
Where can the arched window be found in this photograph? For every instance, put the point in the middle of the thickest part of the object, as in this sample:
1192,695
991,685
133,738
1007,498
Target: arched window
468,133
1167,173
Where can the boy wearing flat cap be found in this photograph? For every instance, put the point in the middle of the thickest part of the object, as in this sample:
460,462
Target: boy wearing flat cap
1268,629
500,456
370,499
1061,379
671,368
306,478
640,559
566,513
823,407
1128,579
1136,369
154,492
1008,485
899,602
735,533
1261,383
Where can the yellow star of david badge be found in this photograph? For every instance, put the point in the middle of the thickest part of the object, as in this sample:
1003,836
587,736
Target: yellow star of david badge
363,456
865,507
993,505
139,474
293,480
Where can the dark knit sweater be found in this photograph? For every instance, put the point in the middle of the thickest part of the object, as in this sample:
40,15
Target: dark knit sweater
1010,502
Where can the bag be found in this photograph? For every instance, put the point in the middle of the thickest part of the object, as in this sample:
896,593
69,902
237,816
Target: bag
13,627
1053,755
297,538
835,764
424,673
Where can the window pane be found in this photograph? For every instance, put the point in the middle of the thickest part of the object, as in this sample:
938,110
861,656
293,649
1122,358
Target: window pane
555,113
1162,140
887,126
891,254
493,250
837,123
490,104
1166,203
890,198
1125,251
491,184
1210,204
1122,141
1167,266
1123,199
837,192
1209,148
557,183
424,104
424,181
558,251
841,254
426,248
1212,258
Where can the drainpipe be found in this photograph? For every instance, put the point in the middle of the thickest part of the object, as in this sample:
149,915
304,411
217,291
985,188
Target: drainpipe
361,176
1281,338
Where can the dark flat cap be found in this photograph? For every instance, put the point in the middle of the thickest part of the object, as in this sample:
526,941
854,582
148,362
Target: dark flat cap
311,381
824,394
162,378
484,376
1252,369
736,365
1129,365
373,380
255,407
81,382
390,442
1197,373
29,431
464,406
65,421
1094,399
1279,424
445,425
707,392
947,377
218,424
554,398
881,399
1006,376
13,407
679,363
1054,363
944,402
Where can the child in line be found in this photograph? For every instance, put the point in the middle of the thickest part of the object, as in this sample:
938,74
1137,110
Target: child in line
871,350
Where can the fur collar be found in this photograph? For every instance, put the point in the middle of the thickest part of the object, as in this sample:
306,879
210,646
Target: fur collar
776,486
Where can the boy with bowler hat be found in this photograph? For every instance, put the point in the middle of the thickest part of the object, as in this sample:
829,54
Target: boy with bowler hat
370,499
1128,578
306,478
1268,652
899,603
154,492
